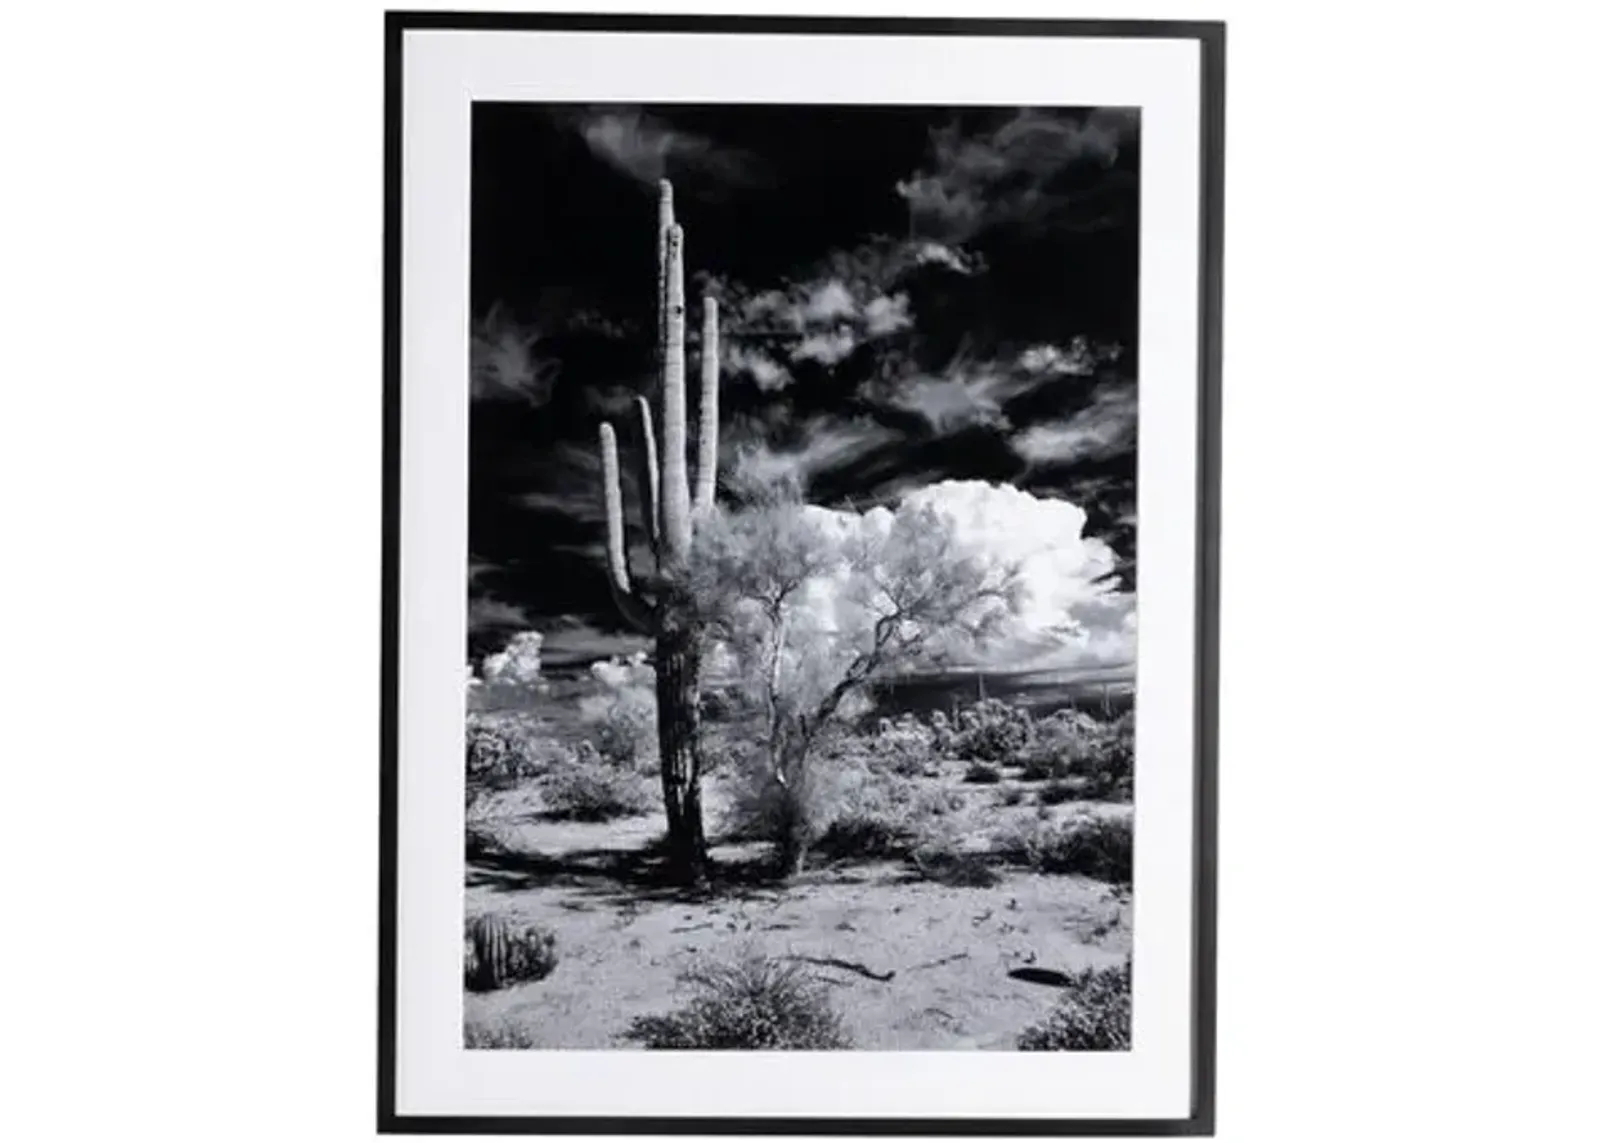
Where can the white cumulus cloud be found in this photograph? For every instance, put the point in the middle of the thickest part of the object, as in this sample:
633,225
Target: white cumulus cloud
1069,616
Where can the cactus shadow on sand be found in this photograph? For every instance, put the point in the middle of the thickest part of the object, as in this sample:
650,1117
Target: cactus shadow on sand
619,876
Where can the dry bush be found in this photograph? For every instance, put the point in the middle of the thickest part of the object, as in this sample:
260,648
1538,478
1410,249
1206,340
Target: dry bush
623,726
621,715
904,745
1058,743
495,1033
936,801
843,803
837,803
982,774
949,865
790,813
1098,846
994,730
1097,754
858,836
1058,790
504,750
587,789
1108,765
1044,764
1094,1014
755,1003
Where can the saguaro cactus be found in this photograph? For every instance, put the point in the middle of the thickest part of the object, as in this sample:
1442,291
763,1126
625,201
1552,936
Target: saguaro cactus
661,608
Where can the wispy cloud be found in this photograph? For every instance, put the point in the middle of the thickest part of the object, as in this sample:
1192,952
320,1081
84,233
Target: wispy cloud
754,362
1106,427
565,479
961,397
953,258
485,613
504,363
975,181
969,393
596,324
823,313
822,320
1079,359
648,148
825,443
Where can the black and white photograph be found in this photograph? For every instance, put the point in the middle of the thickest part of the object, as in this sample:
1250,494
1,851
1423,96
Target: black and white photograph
792,473
803,597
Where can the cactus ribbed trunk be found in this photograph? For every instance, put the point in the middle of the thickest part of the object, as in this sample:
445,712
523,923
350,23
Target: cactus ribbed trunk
678,733
675,526
705,495
657,605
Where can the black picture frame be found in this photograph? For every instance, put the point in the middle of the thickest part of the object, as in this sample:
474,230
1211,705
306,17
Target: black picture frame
1201,1117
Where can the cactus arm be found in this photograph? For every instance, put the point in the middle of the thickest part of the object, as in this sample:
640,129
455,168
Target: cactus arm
616,536
675,525
664,221
650,476
706,474
664,224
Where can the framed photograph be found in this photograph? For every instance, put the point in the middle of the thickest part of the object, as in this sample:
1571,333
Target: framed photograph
800,586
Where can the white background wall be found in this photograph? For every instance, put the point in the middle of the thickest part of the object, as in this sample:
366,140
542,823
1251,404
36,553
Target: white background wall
189,457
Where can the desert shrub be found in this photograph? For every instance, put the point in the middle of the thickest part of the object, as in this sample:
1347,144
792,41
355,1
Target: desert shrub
790,814
1089,844
982,774
586,788
1094,1014
858,836
726,749
904,745
1107,765
1042,763
931,801
1058,790
722,704
794,815
481,839
623,726
882,815
1057,743
945,733
621,716
496,1033
1098,754
994,730
755,1003
504,754
949,865
503,750
499,951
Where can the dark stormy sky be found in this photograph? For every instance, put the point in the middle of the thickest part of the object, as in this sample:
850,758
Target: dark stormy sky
910,295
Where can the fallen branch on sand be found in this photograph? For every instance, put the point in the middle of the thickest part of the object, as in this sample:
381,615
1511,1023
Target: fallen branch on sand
847,965
937,963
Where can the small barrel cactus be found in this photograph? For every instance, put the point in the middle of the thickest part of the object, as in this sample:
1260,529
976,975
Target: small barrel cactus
500,951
